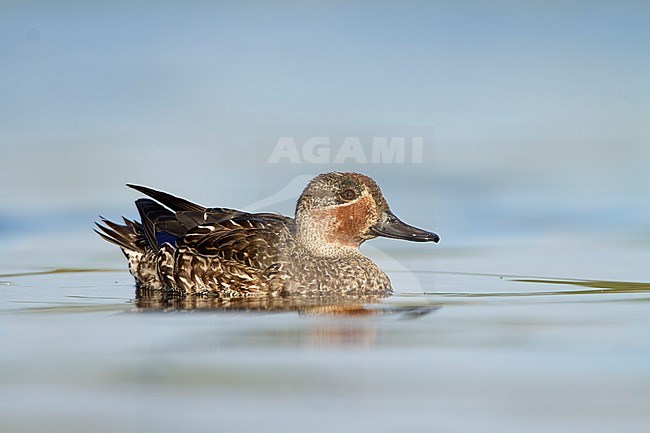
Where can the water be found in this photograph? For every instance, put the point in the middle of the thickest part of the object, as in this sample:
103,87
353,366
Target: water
451,351
530,315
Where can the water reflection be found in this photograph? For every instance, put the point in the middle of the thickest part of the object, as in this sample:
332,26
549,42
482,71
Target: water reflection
341,305
346,323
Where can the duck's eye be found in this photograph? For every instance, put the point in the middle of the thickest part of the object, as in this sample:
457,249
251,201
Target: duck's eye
348,195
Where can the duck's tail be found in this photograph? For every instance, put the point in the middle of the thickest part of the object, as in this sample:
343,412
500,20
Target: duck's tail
132,240
130,237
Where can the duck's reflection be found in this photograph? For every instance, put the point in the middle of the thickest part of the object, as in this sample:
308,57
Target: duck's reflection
340,305
311,333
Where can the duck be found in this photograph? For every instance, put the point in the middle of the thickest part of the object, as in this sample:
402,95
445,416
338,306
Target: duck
182,248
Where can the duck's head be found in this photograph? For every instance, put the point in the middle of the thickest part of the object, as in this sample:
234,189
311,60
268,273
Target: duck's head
337,212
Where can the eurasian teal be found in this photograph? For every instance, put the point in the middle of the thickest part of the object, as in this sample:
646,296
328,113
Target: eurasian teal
182,247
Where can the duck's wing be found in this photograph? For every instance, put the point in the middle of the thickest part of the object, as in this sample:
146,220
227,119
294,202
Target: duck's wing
187,213
225,233
228,218
172,202
159,223
255,240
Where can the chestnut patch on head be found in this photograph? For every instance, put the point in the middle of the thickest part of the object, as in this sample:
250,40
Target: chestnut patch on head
352,221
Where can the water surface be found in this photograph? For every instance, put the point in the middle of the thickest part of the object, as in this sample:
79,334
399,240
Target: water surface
452,350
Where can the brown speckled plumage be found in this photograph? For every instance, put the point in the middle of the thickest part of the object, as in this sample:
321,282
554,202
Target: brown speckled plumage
184,248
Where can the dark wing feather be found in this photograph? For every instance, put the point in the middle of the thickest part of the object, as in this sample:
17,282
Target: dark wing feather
244,240
228,218
172,202
191,215
191,219
159,223
217,232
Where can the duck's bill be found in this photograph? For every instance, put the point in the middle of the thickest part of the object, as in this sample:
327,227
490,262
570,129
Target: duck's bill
392,227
